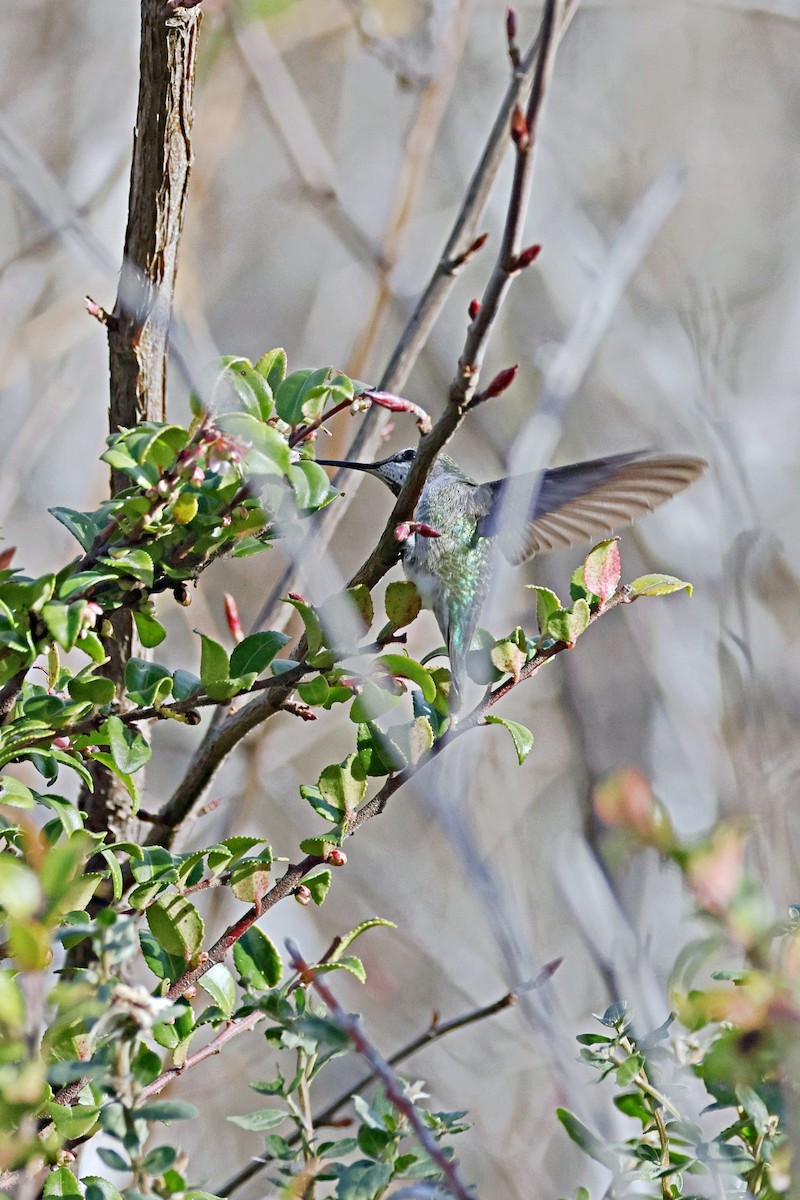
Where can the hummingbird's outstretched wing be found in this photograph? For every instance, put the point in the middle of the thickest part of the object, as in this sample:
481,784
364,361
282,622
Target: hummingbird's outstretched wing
582,501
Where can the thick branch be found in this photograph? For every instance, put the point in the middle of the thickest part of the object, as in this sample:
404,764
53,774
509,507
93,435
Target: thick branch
139,324
138,328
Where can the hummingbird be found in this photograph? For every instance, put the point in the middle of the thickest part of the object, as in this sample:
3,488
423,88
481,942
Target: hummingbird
561,506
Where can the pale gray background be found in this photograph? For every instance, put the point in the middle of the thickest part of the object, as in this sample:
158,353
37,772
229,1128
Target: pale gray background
387,123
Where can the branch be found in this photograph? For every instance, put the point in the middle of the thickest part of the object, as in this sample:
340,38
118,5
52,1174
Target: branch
459,248
162,154
432,1034
464,384
296,872
138,327
351,1025
231,1030
220,739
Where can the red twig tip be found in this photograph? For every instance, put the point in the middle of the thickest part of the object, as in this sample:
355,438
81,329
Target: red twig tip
478,244
474,309
511,24
499,384
406,529
520,134
526,257
399,404
232,617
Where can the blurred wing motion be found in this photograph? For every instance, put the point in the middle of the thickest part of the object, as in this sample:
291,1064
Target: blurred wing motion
581,502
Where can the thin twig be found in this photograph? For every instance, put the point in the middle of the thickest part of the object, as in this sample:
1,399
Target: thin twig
218,742
296,872
432,1034
395,1092
231,1030
426,312
465,381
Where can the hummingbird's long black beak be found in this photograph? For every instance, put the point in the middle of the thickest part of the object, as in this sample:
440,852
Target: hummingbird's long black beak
338,462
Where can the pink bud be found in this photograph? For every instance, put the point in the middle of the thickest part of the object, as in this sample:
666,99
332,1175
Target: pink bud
519,129
232,617
500,383
302,895
336,858
526,257
511,24
474,309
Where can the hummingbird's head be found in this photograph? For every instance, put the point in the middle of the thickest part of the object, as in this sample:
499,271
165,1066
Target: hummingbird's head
392,470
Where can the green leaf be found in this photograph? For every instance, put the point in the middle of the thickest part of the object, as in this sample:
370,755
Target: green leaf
311,621
257,960
379,754
115,871
272,367
319,804
82,526
85,580
159,1160
137,563
343,785
658,585
588,1142
567,624
15,793
628,1070
163,965
349,938
129,749
249,385
547,603
219,984
372,702
213,662
315,691
176,925
147,683
302,396
98,1188
362,1180
61,1182
260,1120
520,735
349,962
151,632
166,1110
268,452
254,653
754,1106
311,485
601,569
92,689
507,656
407,668
319,885
402,602
113,1160
20,895
250,878
63,622
184,684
